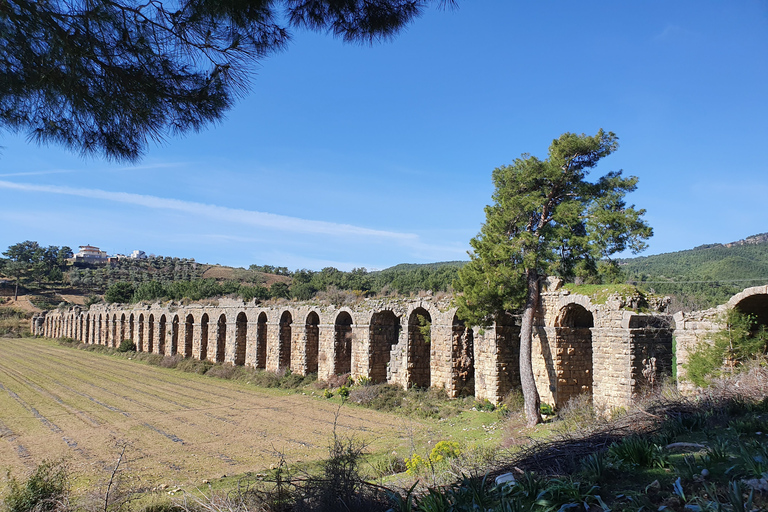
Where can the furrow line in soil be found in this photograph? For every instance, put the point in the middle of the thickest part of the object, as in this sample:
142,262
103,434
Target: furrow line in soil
13,439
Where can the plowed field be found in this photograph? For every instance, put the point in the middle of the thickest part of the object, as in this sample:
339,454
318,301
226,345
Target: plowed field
180,428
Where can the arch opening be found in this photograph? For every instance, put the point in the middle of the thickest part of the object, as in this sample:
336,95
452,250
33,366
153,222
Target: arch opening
151,334
161,331
122,329
175,335
241,333
756,306
462,358
261,341
204,337
140,345
131,328
221,338
312,335
384,334
342,343
573,360
419,348
284,342
189,333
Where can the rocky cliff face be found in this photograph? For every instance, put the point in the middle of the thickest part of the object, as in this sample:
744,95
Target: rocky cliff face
750,240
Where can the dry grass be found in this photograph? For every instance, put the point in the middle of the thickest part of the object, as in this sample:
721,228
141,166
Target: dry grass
180,428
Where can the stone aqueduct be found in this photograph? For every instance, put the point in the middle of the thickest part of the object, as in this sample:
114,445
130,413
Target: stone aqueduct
608,351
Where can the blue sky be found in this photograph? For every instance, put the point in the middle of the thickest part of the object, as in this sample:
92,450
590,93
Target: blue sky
345,155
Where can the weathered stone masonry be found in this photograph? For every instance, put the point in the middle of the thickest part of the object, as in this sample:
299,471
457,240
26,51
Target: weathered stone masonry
606,351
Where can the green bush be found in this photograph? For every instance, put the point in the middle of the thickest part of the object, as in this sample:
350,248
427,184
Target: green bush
46,490
127,346
727,349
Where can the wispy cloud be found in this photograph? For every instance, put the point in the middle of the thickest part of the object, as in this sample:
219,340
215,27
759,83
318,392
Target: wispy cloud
35,173
220,213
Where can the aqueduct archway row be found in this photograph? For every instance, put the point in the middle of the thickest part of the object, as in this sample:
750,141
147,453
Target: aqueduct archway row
602,350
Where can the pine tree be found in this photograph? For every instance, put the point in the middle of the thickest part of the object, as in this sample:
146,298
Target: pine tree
546,220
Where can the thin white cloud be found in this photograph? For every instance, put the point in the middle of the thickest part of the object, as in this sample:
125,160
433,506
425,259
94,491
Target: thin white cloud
35,173
220,213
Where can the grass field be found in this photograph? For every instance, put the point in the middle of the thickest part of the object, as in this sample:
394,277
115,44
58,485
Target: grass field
179,428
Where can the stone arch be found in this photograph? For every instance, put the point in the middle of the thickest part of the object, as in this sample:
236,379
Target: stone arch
419,348
80,333
175,335
189,335
115,331
241,337
573,359
753,301
462,358
87,329
204,337
132,328
221,338
312,341
98,332
284,341
342,343
151,334
140,344
384,332
122,328
161,331
261,341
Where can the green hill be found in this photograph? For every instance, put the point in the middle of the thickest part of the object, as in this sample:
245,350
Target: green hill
703,276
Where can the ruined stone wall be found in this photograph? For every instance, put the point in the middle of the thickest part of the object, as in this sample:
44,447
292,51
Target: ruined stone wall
605,351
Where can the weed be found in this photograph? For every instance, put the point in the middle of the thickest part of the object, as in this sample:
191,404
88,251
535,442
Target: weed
636,451
46,490
594,466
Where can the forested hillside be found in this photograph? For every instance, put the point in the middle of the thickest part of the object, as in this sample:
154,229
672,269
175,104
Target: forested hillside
696,279
704,276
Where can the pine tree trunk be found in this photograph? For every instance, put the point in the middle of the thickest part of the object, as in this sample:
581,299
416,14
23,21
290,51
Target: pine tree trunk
530,393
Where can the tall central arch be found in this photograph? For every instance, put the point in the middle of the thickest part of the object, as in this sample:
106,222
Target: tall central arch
221,338
204,337
312,336
284,341
463,357
189,335
384,332
175,335
161,328
573,362
419,348
261,341
342,344
241,335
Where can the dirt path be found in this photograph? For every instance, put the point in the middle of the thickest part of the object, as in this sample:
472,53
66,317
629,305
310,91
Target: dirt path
180,428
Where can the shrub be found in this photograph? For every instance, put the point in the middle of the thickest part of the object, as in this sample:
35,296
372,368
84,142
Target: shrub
46,490
727,349
191,365
127,346
171,361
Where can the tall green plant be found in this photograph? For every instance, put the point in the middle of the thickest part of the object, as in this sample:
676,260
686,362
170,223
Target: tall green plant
728,349
546,219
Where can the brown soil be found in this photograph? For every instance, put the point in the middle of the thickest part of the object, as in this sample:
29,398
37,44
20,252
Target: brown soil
179,428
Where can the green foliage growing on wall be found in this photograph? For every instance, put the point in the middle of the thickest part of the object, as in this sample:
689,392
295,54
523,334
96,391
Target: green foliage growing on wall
727,350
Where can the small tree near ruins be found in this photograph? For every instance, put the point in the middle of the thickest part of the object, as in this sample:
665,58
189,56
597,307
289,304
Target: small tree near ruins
546,220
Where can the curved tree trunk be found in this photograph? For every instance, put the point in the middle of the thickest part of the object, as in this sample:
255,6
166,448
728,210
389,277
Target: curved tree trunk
530,393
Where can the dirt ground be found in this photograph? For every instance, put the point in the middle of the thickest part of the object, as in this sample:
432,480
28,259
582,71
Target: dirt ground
179,428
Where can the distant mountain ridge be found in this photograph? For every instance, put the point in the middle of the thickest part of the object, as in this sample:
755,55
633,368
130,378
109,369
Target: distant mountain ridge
760,238
706,275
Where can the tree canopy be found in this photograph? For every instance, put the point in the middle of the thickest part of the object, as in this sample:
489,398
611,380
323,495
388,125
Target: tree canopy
105,77
546,220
